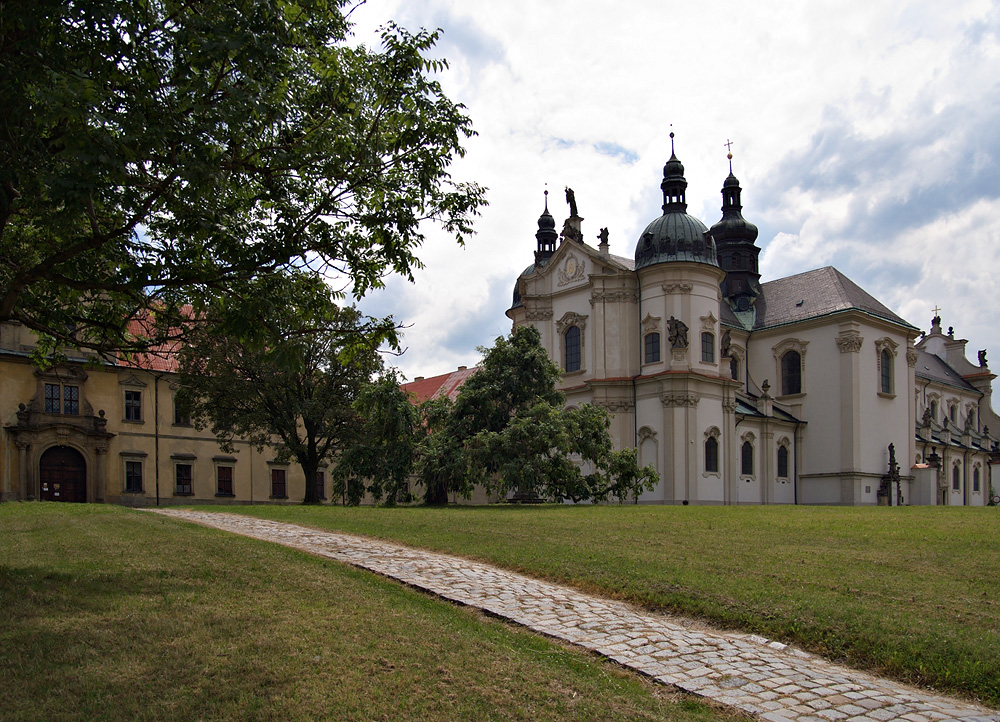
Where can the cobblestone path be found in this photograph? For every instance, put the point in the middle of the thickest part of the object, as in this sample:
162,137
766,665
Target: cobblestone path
766,679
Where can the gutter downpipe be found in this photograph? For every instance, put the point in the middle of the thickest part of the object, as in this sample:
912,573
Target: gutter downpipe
635,405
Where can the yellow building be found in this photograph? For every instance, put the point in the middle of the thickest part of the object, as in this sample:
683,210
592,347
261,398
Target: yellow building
88,430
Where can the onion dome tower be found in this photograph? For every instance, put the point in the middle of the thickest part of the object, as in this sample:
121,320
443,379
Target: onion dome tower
546,235
674,236
737,251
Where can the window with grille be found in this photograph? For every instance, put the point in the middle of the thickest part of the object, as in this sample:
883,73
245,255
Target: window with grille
133,476
573,356
182,473
652,348
133,406
224,480
279,489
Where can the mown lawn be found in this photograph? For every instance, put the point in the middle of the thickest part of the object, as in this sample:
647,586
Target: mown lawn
910,592
113,614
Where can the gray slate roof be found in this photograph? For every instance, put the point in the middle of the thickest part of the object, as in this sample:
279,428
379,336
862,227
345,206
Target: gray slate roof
933,368
813,294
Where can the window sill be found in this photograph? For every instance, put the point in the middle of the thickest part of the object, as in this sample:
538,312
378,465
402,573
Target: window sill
226,495
747,479
713,474
183,493
884,395
186,426
578,372
277,497
785,397
133,421
133,491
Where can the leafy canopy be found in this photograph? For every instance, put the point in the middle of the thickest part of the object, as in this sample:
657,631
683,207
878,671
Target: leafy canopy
508,431
289,381
156,152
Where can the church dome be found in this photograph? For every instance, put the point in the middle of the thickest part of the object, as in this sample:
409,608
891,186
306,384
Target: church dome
676,235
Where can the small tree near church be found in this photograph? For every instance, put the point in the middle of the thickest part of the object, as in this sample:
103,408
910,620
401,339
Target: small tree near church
281,365
509,432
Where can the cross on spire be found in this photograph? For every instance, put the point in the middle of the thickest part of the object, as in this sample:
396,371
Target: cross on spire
937,311
729,145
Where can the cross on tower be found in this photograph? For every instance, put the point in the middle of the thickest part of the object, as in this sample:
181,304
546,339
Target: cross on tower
937,311
729,145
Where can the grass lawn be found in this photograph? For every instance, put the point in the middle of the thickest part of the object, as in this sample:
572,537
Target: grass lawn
912,592
112,614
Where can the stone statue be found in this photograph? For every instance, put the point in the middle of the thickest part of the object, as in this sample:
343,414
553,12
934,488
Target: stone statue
968,424
725,343
677,333
926,420
982,358
603,237
571,199
570,232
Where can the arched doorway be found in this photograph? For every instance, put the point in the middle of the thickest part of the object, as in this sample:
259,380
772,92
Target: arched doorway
63,475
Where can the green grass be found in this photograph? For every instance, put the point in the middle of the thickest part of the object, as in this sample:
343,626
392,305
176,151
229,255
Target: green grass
113,614
913,592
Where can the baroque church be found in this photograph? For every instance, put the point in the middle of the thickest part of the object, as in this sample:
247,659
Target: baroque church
800,390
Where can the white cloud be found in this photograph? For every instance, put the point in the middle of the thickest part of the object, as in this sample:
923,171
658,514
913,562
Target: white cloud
863,138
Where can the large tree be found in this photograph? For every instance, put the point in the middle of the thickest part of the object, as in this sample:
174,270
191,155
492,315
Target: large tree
282,365
155,152
509,432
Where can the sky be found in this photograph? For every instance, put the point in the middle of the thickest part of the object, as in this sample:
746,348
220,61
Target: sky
865,135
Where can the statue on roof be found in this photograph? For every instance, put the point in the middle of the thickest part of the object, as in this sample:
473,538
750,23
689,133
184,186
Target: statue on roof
571,199
603,236
926,421
982,358
727,341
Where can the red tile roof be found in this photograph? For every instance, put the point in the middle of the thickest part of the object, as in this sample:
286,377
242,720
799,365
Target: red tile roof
164,357
437,386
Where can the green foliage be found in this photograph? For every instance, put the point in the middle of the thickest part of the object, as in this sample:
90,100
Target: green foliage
156,154
281,365
508,431
382,456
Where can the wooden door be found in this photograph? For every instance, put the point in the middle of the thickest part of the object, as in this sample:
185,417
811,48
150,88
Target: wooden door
63,475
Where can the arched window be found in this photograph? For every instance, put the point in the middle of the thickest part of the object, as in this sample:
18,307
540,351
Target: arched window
652,348
934,410
952,414
956,479
734,368
746,459
572,338
791,373
886,368
783,462
707,348
711,455
737,261
975,479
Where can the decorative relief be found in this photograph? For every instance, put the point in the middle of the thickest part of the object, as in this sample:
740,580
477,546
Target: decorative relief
911,358
538,316
677,287
679,399
678,354
650,324
614,297
646,433
849,343
615,407
571,318
131,381
708,322
729,406
572,270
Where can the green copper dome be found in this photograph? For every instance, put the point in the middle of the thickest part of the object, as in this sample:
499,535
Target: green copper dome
676,235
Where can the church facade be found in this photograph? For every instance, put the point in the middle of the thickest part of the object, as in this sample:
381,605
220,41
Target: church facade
802,390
